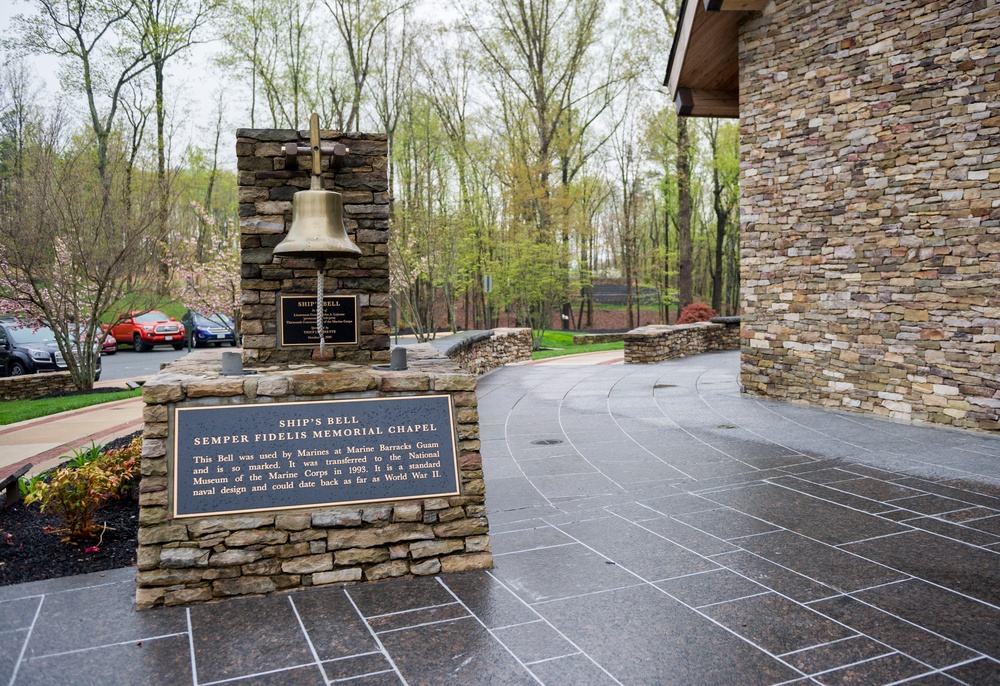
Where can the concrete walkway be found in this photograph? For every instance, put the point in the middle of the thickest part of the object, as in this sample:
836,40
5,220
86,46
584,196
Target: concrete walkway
649,526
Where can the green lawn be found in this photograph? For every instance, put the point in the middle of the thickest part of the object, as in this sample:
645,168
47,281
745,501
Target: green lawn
561,343
18,410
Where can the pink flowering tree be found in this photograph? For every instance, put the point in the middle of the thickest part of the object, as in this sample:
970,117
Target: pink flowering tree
74,244
211,286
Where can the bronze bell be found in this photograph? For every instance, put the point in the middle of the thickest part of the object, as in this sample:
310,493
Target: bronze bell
317,229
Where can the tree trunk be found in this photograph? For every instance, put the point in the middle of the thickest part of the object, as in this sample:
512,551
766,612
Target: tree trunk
684,292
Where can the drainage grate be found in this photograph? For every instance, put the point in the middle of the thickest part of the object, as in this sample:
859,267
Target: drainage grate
665,385
725,426
546,441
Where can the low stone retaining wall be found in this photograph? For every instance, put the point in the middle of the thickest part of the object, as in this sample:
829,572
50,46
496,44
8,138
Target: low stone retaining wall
483,352
31,386
197,559
591,338
650,344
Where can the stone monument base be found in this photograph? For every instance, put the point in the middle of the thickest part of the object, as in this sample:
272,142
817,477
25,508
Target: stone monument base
191,558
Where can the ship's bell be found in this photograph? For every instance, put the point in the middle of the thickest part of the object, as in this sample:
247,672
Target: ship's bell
317,229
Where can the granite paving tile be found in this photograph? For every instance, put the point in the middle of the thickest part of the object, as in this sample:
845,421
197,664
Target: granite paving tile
512,495
681,503
398,595
930,504
66,620
412,618
556,465
819,561
151,662
642,636
638,550
901,635
962,516
11,643
18,614
804,514
836,654
876,489
488,599
990,525
964,568
534,641
543,536
572,670
984,671
774,577
968,492
261,635
706,588
575,485
550,573
463,650
832,493
726,523
688,537
309,675
67,583
966,533
954,616
880,670
332,623
358,665
776,624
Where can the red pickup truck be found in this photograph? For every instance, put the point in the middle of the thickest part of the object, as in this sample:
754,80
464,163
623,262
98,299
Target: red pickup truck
146,329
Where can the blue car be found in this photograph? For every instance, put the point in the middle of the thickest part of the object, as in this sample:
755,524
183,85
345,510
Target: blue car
202,331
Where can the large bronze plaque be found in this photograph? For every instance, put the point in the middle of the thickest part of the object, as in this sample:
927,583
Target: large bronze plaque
297,320
276,456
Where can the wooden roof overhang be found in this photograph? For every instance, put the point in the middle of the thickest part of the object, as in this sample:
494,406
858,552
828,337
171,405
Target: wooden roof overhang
703,74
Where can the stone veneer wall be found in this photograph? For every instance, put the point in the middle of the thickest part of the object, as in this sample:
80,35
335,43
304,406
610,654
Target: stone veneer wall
30,386
494,349
870,208
656,343
266,188
200,559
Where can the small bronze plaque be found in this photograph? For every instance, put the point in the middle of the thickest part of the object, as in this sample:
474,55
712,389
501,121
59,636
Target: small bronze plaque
247,458
297,320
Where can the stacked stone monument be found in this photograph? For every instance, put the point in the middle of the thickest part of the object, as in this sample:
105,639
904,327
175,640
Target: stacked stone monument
302,472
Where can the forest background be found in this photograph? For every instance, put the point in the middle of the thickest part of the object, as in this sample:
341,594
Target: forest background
530,141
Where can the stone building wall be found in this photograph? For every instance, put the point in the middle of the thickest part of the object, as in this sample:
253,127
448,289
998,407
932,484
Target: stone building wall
494,349
31,386
266,188
656,343
870,173
199,559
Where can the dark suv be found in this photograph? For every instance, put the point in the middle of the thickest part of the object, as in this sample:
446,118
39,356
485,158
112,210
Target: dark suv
26,350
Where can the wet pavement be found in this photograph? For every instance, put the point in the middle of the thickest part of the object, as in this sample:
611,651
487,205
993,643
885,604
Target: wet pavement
649,526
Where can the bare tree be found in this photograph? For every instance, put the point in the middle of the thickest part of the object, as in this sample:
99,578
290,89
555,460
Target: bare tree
87,34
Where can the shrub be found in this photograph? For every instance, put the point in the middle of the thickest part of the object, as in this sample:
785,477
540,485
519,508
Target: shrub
123,463
75,494
696,312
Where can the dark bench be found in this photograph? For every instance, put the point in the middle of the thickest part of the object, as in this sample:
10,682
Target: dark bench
8,482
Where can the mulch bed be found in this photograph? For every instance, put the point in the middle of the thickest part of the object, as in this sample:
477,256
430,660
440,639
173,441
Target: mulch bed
30,551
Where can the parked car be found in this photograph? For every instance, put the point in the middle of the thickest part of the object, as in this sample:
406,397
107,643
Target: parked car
146,329
27,350
202,330
110,345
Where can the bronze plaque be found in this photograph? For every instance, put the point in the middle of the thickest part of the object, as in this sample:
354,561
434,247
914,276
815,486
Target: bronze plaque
297,320
277,456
